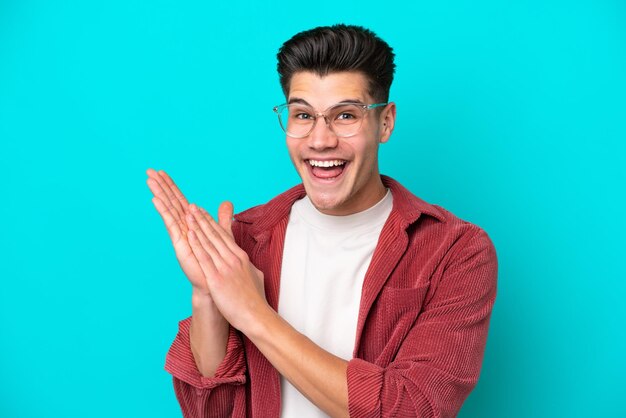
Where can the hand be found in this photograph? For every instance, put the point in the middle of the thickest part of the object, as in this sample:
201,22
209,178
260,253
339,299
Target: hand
235,284
172,206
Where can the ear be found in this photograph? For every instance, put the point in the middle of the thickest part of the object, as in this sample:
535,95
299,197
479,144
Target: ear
387,122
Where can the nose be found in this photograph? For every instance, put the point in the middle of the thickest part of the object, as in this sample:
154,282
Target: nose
322,137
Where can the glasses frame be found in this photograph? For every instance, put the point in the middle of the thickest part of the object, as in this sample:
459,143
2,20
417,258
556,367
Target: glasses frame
317,115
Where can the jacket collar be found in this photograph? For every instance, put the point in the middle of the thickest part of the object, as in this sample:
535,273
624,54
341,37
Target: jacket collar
407,206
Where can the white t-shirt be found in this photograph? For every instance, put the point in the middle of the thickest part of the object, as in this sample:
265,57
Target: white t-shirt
324,263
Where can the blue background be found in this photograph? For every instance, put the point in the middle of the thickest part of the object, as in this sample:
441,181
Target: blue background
510,114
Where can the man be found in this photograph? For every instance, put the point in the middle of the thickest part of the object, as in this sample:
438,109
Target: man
344,296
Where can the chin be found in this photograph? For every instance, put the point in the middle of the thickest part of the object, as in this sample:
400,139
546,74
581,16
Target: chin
331,198
330,205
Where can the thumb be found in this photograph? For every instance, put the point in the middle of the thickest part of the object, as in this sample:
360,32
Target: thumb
225,216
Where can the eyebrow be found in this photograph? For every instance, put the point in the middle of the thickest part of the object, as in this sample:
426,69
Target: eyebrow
298,100
302,101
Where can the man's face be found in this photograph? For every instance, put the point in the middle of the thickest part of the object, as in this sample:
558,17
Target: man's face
354,184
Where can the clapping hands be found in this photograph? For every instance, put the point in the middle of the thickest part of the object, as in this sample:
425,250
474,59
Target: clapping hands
207,252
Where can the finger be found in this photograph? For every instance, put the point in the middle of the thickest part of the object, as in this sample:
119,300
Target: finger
173,199
163,190
225,216
211,231
179,195
166,183
173,229
177,236
226,237
156,188
204,258
204,239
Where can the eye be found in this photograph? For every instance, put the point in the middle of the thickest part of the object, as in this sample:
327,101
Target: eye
346,116
301,113
303,116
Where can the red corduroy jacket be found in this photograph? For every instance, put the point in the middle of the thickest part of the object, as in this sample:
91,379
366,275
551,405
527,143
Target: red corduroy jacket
425,307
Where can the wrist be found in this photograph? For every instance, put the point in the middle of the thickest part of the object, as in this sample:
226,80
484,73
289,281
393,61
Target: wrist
200,297
204,310
202,302
261,324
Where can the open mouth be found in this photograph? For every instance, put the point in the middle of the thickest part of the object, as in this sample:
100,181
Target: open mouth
327,169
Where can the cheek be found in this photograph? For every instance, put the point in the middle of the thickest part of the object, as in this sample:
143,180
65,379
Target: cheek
365,151
292,149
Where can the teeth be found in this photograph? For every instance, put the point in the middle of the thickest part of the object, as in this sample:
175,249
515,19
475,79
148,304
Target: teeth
331,163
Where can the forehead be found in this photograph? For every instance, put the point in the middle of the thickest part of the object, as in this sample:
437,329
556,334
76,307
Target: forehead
323,91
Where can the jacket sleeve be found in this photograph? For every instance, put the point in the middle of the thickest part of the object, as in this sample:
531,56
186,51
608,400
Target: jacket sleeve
222,395
438,362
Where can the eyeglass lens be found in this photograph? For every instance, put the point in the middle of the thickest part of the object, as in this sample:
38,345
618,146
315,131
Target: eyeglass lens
298,120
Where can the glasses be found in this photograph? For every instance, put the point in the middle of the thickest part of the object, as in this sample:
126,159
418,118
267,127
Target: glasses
344,119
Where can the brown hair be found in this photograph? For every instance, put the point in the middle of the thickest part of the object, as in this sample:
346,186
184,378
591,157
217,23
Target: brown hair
329,49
